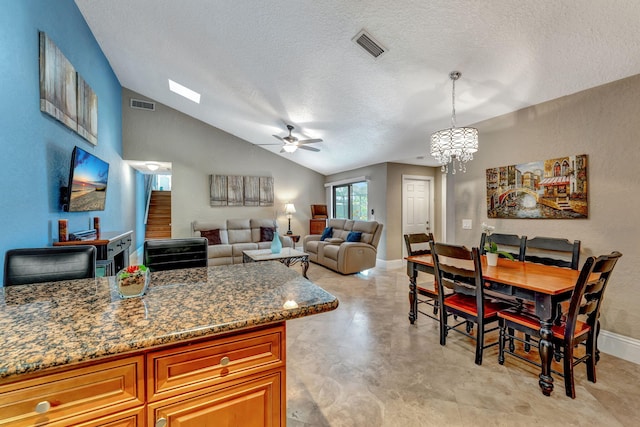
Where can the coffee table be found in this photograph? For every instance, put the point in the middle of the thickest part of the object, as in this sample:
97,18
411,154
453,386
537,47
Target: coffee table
287,256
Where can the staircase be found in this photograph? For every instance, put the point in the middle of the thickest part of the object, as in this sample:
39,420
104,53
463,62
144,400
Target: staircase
159,218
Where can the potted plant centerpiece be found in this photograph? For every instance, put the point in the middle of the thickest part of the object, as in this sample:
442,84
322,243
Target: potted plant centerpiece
491,248
132,281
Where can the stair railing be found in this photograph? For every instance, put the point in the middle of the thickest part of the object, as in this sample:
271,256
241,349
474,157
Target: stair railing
148,189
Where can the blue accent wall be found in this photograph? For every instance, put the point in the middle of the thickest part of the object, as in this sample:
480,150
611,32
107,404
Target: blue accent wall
35,149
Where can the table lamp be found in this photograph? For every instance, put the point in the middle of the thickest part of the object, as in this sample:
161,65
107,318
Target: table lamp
289,209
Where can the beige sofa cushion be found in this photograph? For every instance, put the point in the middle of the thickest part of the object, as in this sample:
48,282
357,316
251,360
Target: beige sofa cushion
239,231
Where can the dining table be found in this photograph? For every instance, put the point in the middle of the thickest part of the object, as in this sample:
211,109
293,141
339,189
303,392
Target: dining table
542,286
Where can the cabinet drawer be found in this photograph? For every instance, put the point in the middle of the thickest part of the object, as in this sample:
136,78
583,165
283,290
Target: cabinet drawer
184,369
251,402
114,247
93,391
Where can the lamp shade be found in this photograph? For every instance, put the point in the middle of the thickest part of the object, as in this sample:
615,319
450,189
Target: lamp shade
289,208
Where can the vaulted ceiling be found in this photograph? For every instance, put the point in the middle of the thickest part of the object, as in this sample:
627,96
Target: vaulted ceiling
260,65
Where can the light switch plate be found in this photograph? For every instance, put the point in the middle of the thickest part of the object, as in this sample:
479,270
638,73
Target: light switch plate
466,224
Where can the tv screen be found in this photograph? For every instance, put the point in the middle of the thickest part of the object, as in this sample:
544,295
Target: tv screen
87,190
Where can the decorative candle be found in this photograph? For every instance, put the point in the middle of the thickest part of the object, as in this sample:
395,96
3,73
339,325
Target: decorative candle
96,224
62,230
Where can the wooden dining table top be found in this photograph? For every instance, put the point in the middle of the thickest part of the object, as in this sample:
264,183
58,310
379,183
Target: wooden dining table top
541,278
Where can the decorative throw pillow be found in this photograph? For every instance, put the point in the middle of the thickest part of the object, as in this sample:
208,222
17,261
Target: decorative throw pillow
354,236
266,234
328,232
213,236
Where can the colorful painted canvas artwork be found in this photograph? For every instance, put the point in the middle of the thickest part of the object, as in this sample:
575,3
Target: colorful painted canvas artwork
547,189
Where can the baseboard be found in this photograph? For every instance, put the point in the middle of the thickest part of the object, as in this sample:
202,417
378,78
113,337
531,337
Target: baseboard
390,265
621,346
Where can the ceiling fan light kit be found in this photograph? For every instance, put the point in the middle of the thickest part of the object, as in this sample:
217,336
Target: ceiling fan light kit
454,144
290,143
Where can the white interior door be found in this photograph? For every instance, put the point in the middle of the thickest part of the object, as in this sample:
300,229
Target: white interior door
417,205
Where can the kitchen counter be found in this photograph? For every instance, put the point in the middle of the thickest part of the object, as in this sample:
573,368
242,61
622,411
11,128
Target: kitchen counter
61,323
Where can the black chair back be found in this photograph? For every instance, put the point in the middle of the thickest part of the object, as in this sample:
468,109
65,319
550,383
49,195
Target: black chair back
462,269
587,295
553,251
37,265
171,254
418,243
511,240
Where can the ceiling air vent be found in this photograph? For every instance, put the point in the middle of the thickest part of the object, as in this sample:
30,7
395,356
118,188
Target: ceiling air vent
142,105
368,43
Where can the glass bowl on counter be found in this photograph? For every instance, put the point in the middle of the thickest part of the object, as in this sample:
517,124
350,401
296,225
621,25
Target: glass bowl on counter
132,281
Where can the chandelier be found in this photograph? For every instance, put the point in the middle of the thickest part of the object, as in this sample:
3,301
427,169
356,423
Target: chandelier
455,144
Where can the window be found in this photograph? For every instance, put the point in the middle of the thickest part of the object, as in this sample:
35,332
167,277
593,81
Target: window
350,201
162,182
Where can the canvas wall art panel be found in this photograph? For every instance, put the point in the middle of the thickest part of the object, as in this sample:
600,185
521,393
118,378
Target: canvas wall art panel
58,84
546,189
87,112
266,191
218,190
251,191
235,190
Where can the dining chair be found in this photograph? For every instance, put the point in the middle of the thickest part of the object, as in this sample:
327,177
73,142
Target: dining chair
505,242
171,254
578,325
37,265
461,268
427,293
553,251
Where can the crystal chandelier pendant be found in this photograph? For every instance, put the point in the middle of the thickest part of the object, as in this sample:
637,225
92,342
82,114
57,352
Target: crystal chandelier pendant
454,144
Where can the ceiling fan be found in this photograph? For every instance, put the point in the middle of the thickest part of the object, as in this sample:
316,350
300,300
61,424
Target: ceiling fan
291,143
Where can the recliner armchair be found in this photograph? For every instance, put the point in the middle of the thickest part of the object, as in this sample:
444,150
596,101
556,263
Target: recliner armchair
341,255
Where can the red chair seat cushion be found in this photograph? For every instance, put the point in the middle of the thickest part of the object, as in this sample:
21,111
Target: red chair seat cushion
467,304
533,323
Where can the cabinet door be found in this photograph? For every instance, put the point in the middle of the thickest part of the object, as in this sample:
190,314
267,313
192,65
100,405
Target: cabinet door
253,403
131,418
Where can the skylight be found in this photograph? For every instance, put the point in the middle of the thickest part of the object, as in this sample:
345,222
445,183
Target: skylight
184,91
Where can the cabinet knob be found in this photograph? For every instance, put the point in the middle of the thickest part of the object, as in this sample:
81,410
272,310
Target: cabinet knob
224,361
161,422
43,407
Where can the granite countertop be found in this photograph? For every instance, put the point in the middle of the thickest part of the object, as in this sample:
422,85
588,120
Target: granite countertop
58,323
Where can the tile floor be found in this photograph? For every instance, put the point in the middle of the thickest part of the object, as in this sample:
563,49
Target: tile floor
365,365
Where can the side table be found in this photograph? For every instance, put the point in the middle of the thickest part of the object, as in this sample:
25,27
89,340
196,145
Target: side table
295,238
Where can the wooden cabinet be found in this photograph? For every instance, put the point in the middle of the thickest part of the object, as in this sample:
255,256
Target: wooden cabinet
317,226
253,402
74,396
112,247
233,379
238,378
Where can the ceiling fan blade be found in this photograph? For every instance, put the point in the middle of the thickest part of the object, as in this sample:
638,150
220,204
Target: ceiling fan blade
304,147
269,144
309,141
276,136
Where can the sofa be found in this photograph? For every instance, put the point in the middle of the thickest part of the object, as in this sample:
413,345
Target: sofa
227,239
336,252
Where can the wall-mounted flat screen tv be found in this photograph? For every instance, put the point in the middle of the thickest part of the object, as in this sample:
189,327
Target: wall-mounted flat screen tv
87,190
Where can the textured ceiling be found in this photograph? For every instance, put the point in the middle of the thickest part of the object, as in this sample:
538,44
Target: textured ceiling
260,64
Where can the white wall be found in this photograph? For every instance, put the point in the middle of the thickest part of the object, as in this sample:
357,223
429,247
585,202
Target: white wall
197,150
602,122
